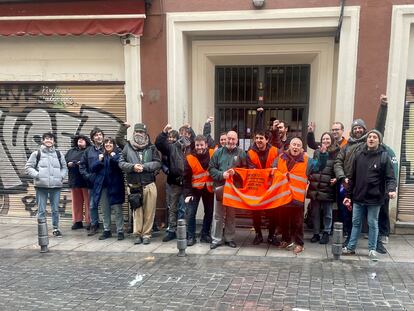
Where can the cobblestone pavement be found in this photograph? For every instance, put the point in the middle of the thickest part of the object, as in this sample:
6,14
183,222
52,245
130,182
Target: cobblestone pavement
67,280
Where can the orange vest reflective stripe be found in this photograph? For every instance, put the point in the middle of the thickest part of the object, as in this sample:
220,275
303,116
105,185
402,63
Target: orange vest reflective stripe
271,156
260,189
200,177
298,181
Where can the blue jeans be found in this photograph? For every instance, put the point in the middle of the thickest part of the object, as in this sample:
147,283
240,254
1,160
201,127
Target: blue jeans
93,210
357,218
191,212
106,209
41,199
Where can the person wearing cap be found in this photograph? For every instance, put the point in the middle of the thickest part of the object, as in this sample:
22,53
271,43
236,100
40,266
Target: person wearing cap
175,153
371,176
141,161
90,155
343,166
48,168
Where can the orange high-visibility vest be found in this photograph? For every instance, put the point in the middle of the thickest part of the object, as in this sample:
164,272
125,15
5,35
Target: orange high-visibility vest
200,177
343,142
298,181
257,189
271,156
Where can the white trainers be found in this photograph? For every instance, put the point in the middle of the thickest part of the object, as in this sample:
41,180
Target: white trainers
384,240
373,255
347,252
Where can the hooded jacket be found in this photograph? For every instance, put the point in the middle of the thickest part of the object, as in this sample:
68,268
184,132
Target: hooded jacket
49,173
74,155
371,179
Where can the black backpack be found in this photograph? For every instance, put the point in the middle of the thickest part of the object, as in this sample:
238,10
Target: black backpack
176,160
59,155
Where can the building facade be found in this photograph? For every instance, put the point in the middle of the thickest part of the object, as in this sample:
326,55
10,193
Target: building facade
185,60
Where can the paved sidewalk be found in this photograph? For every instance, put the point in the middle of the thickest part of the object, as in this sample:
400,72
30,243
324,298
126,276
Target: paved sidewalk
18,236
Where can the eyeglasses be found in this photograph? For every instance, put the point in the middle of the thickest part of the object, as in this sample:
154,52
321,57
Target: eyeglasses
335,130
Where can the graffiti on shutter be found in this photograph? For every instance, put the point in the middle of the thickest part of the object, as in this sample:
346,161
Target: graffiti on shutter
27,110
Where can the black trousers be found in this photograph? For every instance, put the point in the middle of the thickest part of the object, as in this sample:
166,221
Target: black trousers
271,215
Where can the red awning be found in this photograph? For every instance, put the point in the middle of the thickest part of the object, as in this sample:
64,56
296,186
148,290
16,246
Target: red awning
84,17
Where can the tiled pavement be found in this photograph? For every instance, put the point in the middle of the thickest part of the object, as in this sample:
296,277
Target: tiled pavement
24,237
83,273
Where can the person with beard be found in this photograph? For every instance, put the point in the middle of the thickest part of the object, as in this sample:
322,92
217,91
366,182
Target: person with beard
76,182
322,190
141,161
343,166
174,152
297,166
221,168
371,175
280,137
90,155
198,184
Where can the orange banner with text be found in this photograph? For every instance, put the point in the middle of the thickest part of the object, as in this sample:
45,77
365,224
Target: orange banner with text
257,189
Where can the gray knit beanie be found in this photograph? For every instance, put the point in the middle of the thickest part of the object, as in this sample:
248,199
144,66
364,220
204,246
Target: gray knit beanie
378,133
358,122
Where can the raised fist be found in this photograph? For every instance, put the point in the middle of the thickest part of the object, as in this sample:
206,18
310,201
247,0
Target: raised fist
168,128
311,127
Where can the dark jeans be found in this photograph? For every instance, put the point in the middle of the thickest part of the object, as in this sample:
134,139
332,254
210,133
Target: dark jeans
346,217
191,212
271,215
291,224
384,219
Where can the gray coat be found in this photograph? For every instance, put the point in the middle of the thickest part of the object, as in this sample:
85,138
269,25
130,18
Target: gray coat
49,172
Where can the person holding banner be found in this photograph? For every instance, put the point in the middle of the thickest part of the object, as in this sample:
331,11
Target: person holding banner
297,166
198,184
221,168
262,155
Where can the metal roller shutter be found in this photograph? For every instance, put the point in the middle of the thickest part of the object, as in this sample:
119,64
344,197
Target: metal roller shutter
29,109
406,187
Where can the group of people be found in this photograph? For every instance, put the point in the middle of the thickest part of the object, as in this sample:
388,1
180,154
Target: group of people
354,173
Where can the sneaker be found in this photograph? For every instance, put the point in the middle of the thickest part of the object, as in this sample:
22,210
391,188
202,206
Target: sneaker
205,238
315,238
283,245
121,236
345,244
138,240
93,230
325,238
381,248
373,255
88,227
290,247
57,233
169,236
231,244
77,225
258,239
384,240
191,241
272,239
347,252
146,241
105,235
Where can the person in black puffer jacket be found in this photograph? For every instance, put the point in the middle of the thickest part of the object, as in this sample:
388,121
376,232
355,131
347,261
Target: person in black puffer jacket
78,185
321,190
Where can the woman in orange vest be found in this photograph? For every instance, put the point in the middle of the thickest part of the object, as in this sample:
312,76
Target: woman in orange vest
198,184
262,155
297,166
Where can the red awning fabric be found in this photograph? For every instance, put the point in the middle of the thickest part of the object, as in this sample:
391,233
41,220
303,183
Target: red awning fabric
84,17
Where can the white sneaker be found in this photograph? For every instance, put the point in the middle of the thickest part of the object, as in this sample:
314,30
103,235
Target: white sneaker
384,240
373,255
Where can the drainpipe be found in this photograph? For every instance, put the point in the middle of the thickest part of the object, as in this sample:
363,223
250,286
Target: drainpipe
341,17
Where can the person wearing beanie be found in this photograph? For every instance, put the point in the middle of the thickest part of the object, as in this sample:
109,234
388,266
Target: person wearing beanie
141,161
91,155
343,166
372,175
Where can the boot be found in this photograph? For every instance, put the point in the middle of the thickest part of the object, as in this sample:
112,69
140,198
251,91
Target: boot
77,225
315,238
325,238
258,239
381,248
